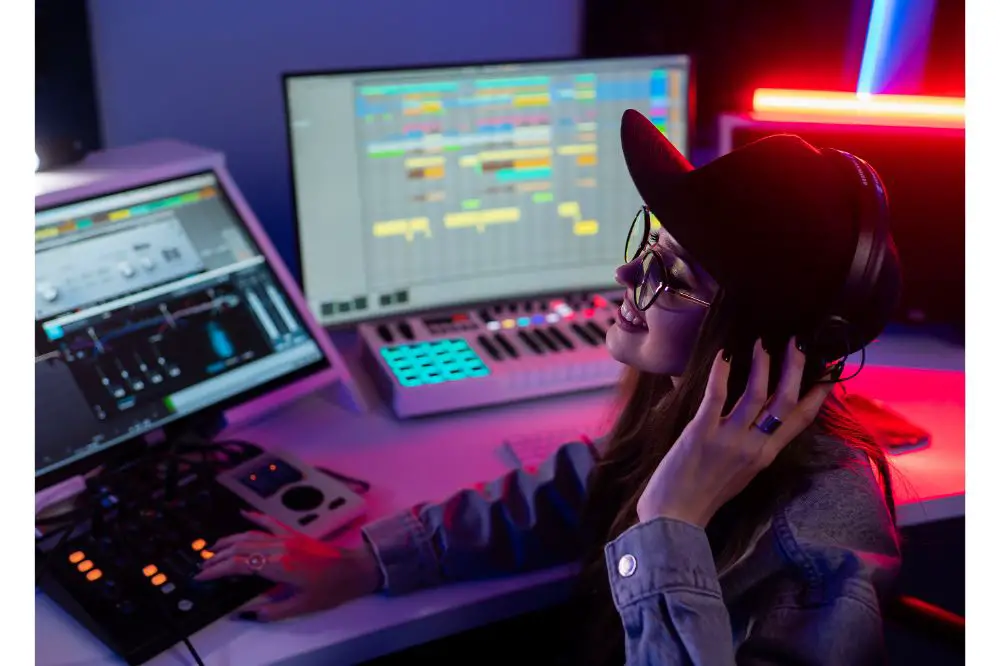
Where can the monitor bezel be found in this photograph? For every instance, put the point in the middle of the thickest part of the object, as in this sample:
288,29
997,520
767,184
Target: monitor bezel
287,77
134,445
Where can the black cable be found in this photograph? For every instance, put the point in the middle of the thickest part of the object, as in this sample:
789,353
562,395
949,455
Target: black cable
856,372
837,369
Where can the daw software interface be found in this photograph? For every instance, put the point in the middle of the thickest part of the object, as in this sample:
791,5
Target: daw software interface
152,304
426,188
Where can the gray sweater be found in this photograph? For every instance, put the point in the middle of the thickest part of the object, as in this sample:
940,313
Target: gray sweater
806,591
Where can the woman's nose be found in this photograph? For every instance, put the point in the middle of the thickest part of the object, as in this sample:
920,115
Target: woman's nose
627,275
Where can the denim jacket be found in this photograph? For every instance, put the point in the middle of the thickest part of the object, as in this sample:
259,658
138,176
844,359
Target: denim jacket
805,592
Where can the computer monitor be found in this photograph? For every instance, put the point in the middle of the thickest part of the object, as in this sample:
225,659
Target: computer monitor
153,304
425,188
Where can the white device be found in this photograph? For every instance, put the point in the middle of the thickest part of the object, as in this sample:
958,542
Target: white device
304,498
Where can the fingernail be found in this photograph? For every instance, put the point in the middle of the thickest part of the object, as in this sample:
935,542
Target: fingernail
247,616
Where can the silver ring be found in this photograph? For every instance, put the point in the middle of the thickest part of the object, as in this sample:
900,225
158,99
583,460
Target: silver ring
768,423
256,562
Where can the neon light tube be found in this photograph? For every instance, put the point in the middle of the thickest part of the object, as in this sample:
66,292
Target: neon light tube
859,105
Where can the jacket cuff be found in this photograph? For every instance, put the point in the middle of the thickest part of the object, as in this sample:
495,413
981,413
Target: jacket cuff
658,556
404,551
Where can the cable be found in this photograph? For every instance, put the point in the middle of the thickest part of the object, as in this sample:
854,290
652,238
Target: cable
856,372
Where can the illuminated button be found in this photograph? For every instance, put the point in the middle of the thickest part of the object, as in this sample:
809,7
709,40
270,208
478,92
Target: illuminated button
149,570
168,588
272,467
198,544
552,317
94,574
588,313
77,557
85,566
509,323
207,554
493,326
158,579
184,605
524,321
600,302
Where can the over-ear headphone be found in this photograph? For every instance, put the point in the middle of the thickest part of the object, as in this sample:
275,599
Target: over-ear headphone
836,333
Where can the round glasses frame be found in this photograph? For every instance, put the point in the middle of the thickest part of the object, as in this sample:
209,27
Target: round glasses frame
641,298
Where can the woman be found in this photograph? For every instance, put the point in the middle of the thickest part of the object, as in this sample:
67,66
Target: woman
732,515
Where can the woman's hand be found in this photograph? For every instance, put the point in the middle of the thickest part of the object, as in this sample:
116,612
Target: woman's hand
317,576
716,456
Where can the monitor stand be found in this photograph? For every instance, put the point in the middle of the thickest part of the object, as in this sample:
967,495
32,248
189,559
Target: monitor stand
492,354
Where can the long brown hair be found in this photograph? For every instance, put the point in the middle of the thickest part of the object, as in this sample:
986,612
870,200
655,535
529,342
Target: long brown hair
653,415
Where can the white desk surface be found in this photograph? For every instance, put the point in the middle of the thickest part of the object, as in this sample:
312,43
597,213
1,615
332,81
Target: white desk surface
428,459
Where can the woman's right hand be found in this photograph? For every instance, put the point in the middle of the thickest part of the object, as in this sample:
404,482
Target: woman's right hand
318,575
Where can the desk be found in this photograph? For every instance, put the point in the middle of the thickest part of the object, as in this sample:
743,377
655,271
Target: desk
428,459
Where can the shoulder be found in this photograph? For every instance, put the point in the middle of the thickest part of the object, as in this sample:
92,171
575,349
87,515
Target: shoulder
837,534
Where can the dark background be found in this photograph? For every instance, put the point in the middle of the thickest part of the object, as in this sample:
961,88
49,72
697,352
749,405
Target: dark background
118,73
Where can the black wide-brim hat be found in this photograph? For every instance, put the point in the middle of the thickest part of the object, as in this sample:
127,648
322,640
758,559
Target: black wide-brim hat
773,222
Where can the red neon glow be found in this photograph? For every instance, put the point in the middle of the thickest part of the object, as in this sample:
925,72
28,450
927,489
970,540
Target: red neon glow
600,301
846,106
588,313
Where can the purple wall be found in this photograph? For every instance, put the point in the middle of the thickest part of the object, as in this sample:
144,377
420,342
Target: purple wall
208,71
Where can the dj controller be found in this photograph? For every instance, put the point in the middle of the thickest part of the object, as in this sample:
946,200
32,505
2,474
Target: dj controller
122,560
492,355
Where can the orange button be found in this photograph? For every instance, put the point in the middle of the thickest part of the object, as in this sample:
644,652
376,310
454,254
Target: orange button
149,570
85,566
77,557
207,554
93,575
197,544
158,579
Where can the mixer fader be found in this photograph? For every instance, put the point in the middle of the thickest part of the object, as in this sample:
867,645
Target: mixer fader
492,354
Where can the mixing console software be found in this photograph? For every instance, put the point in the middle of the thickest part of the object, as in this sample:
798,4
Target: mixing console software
150,305
430,188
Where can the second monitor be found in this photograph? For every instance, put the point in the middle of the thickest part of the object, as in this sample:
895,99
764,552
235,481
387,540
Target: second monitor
428,188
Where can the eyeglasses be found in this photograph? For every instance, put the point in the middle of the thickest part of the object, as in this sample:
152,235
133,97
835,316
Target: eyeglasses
655,278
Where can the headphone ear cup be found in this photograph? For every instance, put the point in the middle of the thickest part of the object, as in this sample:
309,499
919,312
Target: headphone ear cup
831,340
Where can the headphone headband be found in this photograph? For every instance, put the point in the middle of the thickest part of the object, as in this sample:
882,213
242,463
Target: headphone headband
836,334
871,218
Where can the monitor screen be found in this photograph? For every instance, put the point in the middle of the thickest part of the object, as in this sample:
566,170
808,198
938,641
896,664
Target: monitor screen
152,304
425,188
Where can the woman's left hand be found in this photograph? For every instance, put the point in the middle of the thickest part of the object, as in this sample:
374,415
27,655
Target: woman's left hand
717,455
